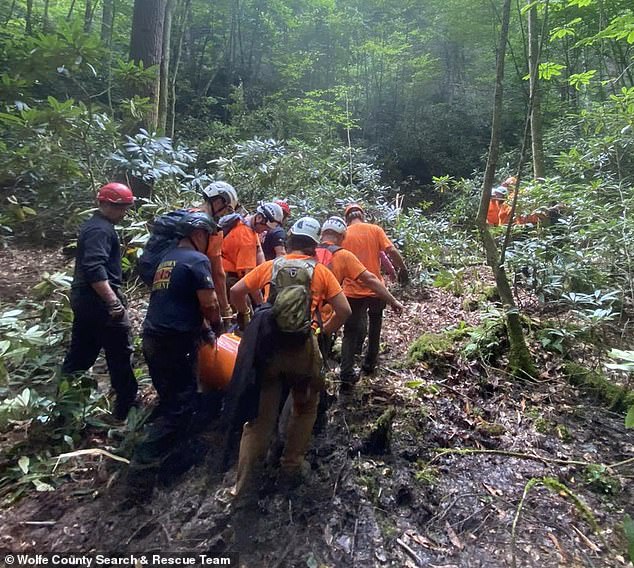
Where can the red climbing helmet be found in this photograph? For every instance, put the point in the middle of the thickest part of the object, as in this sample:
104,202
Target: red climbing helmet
286,208
117,193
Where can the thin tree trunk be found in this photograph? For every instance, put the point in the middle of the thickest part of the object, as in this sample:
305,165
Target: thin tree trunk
70,10
28,24
520,359
165,68
46,24
10,14
537,139
107,22
171,119
88,17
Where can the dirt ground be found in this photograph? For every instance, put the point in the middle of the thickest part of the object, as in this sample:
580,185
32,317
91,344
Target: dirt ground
411,505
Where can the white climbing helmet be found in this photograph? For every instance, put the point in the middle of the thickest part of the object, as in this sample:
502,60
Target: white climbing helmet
224,190
272,212
306,227
336,224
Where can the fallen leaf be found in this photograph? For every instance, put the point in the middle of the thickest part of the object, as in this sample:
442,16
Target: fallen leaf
453,537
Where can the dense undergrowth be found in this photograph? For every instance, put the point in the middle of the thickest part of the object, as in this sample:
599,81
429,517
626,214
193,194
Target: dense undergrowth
62,137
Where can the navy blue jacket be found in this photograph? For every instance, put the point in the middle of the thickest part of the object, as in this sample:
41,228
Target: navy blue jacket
98,255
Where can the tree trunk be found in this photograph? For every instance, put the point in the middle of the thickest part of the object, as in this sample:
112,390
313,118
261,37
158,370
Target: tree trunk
520,359
28,23
537,139
146,45
107,22
88,17
46,24
165,68
70,10
179,50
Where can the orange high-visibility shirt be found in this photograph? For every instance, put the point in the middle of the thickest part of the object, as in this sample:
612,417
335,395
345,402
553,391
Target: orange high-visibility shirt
239,249
366,241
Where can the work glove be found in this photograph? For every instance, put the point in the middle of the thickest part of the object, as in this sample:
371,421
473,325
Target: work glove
207,336
116,310
217,327
403,277
243,320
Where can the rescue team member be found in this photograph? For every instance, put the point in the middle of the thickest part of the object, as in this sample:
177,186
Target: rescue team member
100,316
500,211
274,242
296,365
345,264
220,199
241,250
365,241
182,298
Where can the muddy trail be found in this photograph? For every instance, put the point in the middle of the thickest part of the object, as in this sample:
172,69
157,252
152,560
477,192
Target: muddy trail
476,469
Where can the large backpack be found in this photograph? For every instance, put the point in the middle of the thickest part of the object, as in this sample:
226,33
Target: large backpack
324,254
290,294
163,238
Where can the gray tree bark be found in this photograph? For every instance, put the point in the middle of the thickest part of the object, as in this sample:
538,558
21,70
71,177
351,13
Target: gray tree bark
537,138
28,22
146,45
107,21
165,67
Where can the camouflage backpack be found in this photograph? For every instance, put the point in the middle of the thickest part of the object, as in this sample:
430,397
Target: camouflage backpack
291,295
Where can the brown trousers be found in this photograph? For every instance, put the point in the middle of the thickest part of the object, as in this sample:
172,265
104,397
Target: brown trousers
299,369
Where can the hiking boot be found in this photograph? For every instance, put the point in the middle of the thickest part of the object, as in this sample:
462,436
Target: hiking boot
290,479
122,407
140,481
368,370
347,382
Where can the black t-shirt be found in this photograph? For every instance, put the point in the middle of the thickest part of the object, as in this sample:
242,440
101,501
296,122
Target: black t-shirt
273,238
174,306
98,254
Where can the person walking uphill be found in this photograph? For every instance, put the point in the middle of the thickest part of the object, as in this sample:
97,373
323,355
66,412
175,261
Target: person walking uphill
366,241
345,265
220,199
182,300
100,316
299,285
241,249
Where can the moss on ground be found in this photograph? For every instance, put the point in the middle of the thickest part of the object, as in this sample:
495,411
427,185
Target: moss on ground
432,346
616,397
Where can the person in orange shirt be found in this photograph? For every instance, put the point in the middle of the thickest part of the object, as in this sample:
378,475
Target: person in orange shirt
366,241
500,211
295,363
345,265
220,198
241,247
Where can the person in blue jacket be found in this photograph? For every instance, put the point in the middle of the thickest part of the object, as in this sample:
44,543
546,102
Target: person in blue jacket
99,307
182,314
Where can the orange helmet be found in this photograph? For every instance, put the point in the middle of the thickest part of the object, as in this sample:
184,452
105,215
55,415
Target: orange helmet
510,181
352,207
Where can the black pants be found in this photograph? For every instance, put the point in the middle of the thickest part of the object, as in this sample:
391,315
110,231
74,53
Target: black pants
93,330
366,318
171,360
